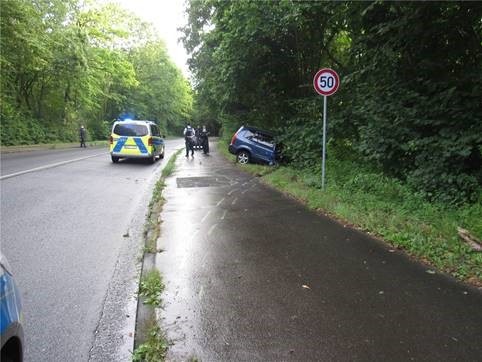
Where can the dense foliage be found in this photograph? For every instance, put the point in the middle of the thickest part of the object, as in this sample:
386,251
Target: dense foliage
67,63
410,98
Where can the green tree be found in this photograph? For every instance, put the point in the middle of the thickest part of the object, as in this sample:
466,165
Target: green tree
163,95
417,91
64,63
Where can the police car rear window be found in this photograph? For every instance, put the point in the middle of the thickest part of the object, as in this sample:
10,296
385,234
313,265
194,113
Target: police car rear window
130,130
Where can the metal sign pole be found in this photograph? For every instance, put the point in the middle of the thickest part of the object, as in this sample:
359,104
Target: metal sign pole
324,145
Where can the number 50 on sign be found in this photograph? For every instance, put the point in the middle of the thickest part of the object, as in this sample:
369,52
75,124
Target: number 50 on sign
326,82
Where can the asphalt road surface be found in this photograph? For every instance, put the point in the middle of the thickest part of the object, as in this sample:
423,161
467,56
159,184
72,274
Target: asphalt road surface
71,226
252,275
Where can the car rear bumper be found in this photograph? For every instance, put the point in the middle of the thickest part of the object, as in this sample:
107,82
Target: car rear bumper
131,155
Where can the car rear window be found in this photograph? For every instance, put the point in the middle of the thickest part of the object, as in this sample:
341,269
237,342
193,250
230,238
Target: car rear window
257,136
264,139
247,133
130,130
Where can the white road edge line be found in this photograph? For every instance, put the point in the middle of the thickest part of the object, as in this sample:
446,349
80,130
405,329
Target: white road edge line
224,214
205,216
50,166
211,229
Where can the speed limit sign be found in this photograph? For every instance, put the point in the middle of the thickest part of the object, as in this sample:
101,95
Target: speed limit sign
326,82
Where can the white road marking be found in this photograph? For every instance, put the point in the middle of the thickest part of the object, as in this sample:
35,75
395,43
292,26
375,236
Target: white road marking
220,201
205,216
232,191
234,201
224,214
50,166
191,239
211,229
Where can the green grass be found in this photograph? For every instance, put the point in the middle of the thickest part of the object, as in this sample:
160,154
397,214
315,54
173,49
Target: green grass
384,206
152,228
151,287
157,192
155,347
171,164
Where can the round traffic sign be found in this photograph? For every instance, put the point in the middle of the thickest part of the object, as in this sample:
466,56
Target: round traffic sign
326,82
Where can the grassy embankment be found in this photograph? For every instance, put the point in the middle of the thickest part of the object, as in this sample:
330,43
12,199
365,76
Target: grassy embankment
154,345
387,209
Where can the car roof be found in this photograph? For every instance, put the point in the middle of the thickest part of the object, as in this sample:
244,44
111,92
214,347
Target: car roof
135,121
259,130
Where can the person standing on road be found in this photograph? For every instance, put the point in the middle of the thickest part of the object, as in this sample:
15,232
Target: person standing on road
189,135
204,139
83,136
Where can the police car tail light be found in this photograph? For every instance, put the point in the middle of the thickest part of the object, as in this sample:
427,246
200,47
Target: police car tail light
149,141
111,140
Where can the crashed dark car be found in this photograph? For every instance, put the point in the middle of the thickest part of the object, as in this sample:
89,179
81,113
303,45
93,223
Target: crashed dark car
251,144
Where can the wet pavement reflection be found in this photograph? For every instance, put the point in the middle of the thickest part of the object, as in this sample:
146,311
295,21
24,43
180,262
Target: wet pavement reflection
252,275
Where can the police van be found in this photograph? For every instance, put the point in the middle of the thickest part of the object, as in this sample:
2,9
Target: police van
136,139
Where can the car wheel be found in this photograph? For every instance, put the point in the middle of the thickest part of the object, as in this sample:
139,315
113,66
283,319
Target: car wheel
243,157
152,159
115,159
162,155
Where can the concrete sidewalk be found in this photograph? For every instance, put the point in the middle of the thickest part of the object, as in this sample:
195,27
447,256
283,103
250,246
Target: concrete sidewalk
252,275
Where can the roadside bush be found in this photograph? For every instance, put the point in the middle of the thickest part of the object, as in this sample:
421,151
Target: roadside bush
435,151
18,130
100,130
229,125
423,126
302,135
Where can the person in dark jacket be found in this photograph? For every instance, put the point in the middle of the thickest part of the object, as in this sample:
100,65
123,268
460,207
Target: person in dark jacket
204,133
189,135
83,136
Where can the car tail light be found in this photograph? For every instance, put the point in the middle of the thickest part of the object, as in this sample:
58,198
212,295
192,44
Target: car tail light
149,141
234,138
111,140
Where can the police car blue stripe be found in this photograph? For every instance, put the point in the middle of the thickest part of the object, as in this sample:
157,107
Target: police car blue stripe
120,143
140,144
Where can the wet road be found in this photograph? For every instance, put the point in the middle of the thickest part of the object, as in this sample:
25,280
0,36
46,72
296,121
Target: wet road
73,236
13,164
252,275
